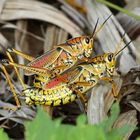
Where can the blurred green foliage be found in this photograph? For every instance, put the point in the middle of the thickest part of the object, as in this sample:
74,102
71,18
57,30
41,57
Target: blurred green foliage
3,135
123,10
42,127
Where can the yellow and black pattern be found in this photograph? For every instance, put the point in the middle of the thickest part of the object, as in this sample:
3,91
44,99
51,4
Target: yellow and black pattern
63,57
52,97
40,81
82,78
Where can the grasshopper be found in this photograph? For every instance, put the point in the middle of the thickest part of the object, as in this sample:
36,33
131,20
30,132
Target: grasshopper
54,62
57,60
73,84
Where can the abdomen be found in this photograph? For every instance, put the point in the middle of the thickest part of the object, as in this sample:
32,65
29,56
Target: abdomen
54,97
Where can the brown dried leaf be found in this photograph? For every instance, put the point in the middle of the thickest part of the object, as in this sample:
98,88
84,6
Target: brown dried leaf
8,25
100,102
130,25
20,115
3,41
135,104
53,36
95,111
17,9
129,118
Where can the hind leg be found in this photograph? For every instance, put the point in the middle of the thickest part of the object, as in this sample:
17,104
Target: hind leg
12,90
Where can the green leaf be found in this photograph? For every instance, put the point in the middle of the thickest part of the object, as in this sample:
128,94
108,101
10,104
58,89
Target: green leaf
138,138
121,132
44,128
3,135
81,120
116,7
107,124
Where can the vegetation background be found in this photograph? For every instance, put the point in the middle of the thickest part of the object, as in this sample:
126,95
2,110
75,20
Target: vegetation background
34,27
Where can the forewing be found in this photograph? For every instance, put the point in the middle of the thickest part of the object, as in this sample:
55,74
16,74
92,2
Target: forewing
68,77
45,60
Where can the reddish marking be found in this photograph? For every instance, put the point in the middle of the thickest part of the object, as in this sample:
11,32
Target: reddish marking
75,40
60,59
40,62
56,81
63,55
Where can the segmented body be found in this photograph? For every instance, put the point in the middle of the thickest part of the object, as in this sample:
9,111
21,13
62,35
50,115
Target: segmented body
64,89
53,97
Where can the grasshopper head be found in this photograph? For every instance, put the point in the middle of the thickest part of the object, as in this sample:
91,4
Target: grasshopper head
87,43
110,63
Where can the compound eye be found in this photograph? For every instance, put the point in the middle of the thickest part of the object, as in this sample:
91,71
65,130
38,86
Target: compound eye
109,57
87,40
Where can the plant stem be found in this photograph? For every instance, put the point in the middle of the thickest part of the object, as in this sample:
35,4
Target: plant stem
119,9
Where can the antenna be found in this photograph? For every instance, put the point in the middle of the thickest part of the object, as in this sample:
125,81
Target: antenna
119,44
123,48
95,27
98,29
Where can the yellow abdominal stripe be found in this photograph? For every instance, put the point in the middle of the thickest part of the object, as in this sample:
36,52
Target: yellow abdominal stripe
58,95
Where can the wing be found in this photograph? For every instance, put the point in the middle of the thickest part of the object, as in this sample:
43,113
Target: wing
68,77
45,60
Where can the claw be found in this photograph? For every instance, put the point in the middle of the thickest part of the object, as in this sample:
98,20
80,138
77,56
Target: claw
4,62
9,50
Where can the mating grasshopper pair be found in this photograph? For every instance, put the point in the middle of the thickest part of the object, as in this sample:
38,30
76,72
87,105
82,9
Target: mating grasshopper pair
75,83
51,89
